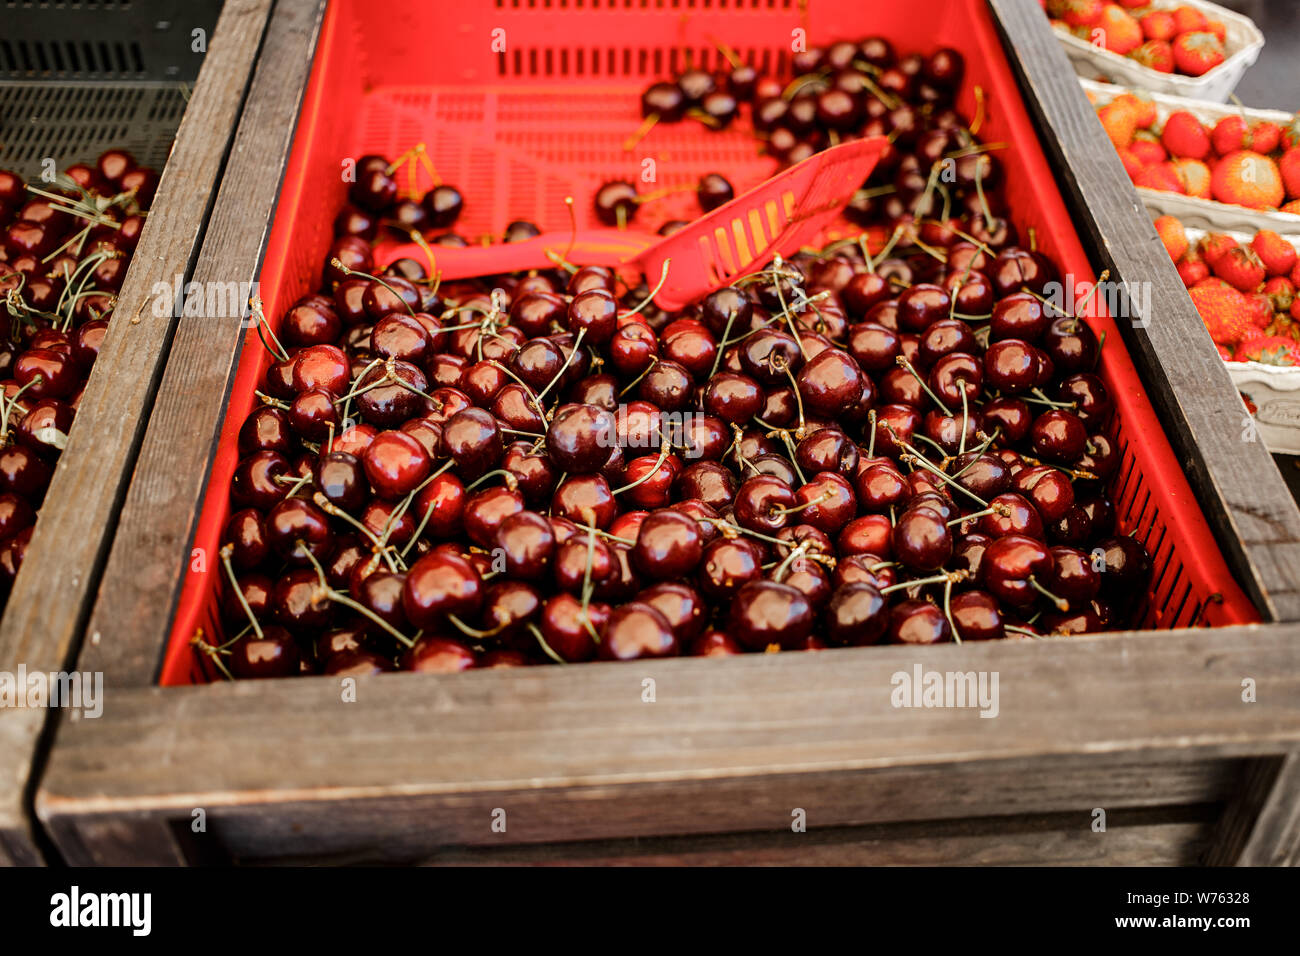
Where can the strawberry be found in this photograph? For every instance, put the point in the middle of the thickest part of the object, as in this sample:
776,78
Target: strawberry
1215,245
1195,176
1081,13
1218,28
1132,165
1184,135
1172,235
1270,350
1133,4
1295,308
1260,309
1230,134
1289,167
1293,207
1146,110
1162,176
1225,353
1192,268
1241,269
1189,19
1197,53
1245,178
1147,148
1119,119
1265,136
1295,276
1120,33
1158,25
1277,255
1281,292
1155,55
1224,311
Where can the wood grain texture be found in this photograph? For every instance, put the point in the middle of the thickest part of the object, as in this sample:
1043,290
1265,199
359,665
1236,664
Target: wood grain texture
1262,824
1236,481
1162,837
52,593
733,744
150,555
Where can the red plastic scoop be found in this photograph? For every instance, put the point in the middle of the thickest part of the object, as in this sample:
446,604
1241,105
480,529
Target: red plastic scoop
781,216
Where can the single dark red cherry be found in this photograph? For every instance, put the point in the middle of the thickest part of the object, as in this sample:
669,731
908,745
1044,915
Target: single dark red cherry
668,546
764,613
638,630
440,584
856,615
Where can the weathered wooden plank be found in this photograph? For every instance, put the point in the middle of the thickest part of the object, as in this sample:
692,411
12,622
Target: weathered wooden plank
1236,481
148,560
52,593
1161,837
1261,826
727,745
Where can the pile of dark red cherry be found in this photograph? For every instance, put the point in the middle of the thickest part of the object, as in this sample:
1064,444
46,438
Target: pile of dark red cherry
64,251
843,449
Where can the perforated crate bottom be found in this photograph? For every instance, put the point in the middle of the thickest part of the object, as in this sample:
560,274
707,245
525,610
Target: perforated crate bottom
517,154
75,122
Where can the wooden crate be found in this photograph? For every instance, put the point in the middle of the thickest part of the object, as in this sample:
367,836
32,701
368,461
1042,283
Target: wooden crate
42,624
1149,727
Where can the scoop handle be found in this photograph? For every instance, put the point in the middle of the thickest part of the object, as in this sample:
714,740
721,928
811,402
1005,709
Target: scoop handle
590,247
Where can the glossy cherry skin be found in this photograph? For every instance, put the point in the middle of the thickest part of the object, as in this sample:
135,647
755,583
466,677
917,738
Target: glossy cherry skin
564,626
827,449
921,540
921,306
299,603
727,566
274,654
443,204
508,608
254,484
1092,401
1007,565
830,383
48,374
440,584
1050,491
977,616
486,509
1073,576
585,499
1011,366
668,546
766,612
857,615
244,531
681,605
472,439
439,655
918,622
1018,316
1011,416
1058,435
395,464
638,630
527,544
827,501
580,438
762,504
295,528
1071,345
1125,568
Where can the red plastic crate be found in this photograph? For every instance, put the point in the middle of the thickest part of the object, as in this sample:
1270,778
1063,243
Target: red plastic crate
517,131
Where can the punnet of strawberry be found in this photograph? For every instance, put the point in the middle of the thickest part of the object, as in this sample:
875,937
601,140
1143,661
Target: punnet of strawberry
894,437
1179,40
1238,161
65,247
1245,291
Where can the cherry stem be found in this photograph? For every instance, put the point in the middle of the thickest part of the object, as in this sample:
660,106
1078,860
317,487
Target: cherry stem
642,131
947,611
1020,630
366,275
807,504
568,359
726,334
213,653
330,508
902,361
1060,602
546,648
965,418
225,553
663,277
663,453
361,609
474,632
654,360
511,481
1002,510
794,555
871,443
947,577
